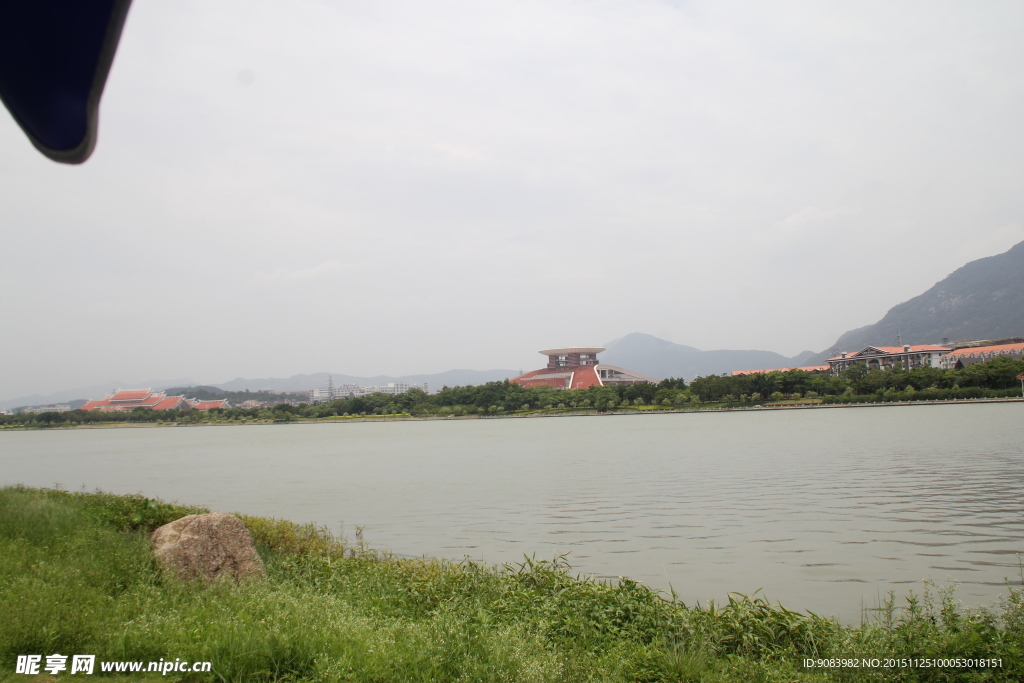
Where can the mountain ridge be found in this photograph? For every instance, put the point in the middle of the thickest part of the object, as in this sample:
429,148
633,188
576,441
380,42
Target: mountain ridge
319,379
660,358
983,299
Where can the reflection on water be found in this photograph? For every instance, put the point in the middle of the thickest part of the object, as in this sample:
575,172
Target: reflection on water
825,510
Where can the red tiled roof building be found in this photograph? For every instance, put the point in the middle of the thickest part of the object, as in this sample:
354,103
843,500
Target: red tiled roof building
126,400
886,357
576,367
813,369
962,357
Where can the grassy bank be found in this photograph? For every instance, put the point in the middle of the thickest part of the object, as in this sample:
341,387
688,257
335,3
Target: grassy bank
76,577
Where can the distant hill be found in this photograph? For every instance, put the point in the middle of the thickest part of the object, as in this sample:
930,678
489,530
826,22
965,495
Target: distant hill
982,300
317,380
277,387
658,358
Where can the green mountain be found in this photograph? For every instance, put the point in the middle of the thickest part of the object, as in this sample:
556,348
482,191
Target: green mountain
982,300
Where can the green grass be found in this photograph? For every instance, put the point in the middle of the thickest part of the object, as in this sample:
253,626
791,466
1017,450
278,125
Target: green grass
76,577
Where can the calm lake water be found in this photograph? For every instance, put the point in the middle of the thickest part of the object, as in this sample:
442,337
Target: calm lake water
825,510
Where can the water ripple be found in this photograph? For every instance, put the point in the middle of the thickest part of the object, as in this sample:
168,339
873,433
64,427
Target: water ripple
824,510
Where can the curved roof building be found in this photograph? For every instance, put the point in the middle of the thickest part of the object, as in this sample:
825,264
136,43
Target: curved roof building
126,400
576,367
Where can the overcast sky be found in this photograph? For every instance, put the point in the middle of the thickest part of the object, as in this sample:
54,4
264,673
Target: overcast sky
405,187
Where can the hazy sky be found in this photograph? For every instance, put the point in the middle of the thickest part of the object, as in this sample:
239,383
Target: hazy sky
405,187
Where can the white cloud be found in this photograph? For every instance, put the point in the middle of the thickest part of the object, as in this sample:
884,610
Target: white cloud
811,220
318,271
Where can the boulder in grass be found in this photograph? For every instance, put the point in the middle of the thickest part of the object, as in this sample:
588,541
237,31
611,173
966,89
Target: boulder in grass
207,548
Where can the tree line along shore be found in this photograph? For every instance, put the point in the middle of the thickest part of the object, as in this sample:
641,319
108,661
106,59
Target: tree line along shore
997,378
78,577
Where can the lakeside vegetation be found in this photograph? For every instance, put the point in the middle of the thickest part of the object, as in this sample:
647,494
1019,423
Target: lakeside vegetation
78,577
208,393
992,379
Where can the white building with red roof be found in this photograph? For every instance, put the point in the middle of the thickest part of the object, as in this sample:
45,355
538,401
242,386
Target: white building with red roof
969,355
208,405
886,357
126,400
576,367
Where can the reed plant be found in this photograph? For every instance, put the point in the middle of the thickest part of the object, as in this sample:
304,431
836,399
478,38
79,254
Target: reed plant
76,576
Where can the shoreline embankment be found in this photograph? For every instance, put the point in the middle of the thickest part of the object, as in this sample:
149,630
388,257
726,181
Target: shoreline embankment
351,419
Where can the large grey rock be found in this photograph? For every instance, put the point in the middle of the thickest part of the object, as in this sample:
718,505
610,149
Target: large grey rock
206,548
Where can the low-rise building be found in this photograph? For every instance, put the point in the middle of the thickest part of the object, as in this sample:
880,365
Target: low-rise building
887,357
393,388
209,405
253,404
53,408
813,369
325,394
960,358
321,395
127,400
331,392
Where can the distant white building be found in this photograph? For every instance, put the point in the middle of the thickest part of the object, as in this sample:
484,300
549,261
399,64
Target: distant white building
390,388
53,408
321,395
396,388
325,394
331,392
